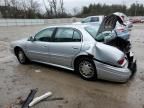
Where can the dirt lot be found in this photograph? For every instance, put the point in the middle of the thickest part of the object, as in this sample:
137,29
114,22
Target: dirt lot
17,80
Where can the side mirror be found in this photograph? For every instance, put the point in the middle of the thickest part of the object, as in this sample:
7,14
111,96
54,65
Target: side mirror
31,38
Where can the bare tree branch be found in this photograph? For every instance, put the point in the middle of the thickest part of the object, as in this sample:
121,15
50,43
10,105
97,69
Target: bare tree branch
53,6
24,7
54,2
48,12
62,6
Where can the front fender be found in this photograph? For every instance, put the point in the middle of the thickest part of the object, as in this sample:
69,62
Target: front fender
20,44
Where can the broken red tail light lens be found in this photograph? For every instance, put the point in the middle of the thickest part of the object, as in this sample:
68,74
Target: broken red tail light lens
121,61
121,30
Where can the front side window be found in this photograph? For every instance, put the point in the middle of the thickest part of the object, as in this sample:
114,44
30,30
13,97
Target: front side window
67,35
44,35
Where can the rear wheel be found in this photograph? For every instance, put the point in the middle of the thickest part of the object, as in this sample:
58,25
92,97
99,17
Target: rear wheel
86,68
21,56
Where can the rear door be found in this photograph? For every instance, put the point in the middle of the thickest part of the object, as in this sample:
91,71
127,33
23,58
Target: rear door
66,44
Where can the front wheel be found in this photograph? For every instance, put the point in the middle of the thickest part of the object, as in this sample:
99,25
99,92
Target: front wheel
21,57
87,69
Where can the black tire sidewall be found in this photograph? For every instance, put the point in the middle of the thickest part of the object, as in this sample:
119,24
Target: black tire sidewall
25,61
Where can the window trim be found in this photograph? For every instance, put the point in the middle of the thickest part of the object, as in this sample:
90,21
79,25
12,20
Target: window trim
53,38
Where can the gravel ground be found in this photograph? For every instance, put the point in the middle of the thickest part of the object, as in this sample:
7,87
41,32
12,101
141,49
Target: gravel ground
16,80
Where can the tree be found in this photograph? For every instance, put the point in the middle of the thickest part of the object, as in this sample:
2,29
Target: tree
54,5
99,9
13,12
62,6
33,8
47,9
7,10
75,11
24,7
6,2
51,7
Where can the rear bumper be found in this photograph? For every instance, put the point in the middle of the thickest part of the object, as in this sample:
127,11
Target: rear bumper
116,74
112,73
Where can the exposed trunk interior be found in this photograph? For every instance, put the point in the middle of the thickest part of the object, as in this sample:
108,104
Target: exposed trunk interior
123,45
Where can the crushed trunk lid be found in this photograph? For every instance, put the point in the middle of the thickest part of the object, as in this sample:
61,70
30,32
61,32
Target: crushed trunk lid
109,23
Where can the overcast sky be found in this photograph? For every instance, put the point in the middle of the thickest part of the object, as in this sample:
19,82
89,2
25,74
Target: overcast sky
70,4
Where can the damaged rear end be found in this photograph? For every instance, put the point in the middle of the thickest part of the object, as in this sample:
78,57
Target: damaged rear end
108,35
132,65
111,63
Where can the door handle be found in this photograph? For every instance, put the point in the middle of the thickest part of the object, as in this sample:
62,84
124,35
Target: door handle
44,46
75,48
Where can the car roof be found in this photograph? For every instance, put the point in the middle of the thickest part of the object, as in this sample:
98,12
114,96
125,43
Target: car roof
97,16
100,16
77,26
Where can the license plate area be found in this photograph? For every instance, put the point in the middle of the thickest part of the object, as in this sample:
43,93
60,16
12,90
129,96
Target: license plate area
132,62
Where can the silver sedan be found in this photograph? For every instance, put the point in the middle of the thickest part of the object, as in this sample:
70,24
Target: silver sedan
75,47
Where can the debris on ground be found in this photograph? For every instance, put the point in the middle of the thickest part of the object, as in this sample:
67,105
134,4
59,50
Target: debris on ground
54,99
19,101
38,71
31,101
40,98
10,106
29,98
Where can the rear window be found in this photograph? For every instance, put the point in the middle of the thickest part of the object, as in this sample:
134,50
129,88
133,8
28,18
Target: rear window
92,30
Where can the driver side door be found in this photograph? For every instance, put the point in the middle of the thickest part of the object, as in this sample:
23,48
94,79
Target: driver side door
38,49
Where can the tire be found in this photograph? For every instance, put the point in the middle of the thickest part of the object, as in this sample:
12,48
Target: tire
86,69
21,57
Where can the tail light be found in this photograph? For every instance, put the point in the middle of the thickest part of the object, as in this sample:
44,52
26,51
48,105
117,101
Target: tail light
121,30
121,61
122,18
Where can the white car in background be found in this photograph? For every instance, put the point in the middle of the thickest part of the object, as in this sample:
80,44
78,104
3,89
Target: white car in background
91,20
122,31
98,19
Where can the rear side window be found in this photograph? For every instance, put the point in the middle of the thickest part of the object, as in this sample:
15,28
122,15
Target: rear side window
76,36
67,35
